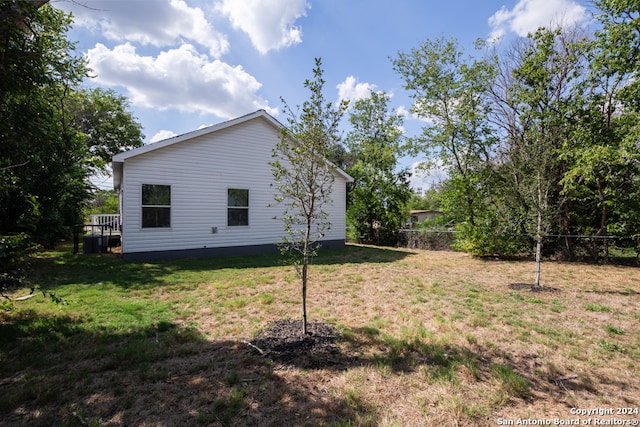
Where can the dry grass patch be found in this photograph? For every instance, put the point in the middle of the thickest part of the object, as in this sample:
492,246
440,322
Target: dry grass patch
426,338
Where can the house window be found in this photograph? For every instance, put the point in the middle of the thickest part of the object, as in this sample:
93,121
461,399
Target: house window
156,206
237,207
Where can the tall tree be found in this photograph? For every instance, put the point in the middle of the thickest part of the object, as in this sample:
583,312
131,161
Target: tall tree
304,177
42,180
604,165
550,146
53,135
378,194
538,111
449,92
108,127
619,47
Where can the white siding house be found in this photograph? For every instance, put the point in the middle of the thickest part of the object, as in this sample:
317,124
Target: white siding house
208,193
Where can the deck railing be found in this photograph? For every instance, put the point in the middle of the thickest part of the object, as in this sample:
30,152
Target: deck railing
110,220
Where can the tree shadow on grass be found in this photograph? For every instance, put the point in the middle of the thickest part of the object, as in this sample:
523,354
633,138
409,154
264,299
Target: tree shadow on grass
518,376
55,372
326,347
627,292
60,268
532,287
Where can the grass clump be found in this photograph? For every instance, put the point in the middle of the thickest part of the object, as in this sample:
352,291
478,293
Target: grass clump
512,383
225,409
597,308
614,330
610,346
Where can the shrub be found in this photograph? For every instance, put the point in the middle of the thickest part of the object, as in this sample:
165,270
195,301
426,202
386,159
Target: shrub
13,251
486,241
427,239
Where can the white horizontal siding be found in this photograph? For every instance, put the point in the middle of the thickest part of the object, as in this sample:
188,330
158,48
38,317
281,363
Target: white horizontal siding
199,172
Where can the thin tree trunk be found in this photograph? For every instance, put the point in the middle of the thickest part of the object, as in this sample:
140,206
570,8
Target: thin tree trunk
538,256
603,220
539,235
305,266
305,269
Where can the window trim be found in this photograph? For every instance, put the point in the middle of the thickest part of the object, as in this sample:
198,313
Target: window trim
143,207
237,208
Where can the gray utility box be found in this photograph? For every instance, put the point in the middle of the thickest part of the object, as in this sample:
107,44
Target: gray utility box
94,244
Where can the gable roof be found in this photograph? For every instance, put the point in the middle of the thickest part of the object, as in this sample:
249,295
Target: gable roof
118,159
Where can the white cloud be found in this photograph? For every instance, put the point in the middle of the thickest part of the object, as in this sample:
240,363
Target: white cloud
529,15
180,79
427,174
157,23
350,89
403,112
269,23
410,115
162,135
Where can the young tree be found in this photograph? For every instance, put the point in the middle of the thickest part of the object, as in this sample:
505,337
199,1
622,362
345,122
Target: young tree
379,193
304,177
537,110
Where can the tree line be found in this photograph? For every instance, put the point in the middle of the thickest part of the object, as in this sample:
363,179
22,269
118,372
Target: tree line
54,132
538,139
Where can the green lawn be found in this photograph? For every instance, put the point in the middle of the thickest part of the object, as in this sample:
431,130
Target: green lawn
429,338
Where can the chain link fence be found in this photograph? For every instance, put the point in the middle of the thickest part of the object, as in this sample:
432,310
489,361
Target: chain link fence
564,247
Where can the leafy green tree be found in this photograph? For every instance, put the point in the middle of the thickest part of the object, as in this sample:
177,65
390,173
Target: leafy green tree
450,92
568,108
53,136
108,127
43,184
538,111
603,175
430,200
618,42
378,194
541,140
303,176
104,201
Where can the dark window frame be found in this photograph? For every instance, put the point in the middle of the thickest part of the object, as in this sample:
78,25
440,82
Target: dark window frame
237,207
155,206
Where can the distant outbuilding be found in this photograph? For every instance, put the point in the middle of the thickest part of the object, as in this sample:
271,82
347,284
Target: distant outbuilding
420,216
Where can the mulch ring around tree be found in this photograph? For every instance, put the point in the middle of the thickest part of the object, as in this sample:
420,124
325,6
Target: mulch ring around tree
532,287
283,342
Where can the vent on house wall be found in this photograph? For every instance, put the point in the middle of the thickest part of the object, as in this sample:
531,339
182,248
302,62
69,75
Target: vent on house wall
214,230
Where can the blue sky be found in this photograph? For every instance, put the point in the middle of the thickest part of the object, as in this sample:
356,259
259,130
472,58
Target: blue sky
185,64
